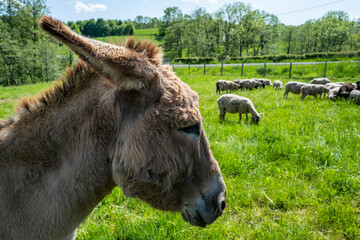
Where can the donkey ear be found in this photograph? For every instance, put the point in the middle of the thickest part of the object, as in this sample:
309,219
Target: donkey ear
131,66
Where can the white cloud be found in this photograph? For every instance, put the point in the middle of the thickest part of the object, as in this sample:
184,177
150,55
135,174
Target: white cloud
91,7
200,1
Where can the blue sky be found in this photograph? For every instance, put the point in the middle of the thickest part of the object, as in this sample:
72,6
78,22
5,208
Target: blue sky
287,10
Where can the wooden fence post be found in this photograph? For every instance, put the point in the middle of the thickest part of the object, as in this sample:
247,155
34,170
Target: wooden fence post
290,70
222,63
242,68
189,68
204,67
325,69
264,69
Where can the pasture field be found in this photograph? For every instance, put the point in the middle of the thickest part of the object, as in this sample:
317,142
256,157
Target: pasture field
143,34
296,175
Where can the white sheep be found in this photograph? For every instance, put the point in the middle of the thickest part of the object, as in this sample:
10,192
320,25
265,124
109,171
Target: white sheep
293,87
224,85
232,103
250,84
334,85
355,96
277,84
313,90
322,81
263,81
333,93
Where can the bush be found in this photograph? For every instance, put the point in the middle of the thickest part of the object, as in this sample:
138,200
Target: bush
196,60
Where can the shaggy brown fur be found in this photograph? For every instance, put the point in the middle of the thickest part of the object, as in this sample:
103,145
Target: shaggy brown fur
119,117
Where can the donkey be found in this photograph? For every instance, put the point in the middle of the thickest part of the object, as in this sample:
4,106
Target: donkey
118,118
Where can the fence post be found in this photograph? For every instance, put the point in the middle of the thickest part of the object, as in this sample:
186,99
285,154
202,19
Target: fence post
264,69
189,68
290,70
242,68
325,69
173,67
204,67
222,63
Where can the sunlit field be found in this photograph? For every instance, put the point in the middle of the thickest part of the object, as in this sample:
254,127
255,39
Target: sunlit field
293,176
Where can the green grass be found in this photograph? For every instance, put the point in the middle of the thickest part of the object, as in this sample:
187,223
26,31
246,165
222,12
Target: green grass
293,176
140,34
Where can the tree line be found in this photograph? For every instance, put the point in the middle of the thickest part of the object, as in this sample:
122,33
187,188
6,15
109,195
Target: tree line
237,30
101,27
26,54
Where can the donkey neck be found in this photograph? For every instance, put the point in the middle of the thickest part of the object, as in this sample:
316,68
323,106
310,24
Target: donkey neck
57,163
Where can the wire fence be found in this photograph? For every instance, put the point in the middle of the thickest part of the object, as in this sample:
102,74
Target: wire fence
334,69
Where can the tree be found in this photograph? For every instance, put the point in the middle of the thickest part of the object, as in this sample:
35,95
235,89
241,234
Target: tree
173,27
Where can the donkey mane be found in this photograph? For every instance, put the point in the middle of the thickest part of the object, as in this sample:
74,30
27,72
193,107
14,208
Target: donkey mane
75,80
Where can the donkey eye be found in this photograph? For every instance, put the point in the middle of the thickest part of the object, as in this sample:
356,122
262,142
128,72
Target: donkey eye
193,129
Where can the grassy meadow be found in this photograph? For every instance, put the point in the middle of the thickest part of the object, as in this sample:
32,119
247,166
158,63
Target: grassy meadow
143,34
296,175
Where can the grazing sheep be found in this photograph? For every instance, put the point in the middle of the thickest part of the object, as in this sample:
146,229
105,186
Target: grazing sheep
277,84
293,87
224,85
313,90
345,90
322,81
250,84
334,85
264,82
333,93
239,82
232,103
259,84
355,96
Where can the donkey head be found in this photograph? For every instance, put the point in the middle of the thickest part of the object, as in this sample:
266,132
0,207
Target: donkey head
160,153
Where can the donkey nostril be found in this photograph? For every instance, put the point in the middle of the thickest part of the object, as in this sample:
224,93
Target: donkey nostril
223,205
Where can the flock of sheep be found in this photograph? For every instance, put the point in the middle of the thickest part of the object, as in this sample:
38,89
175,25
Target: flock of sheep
232,103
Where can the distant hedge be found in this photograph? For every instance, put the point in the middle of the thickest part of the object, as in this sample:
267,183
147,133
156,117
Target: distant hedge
272,58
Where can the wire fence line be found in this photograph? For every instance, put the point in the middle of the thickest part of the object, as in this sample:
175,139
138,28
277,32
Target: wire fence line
259,64
263,65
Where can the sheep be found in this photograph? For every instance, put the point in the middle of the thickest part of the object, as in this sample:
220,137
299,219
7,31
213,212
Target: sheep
267,82
277,84
250,84
313,90
239,82
264,82
333,93
293,87
334,85
355,96
224,85
345,90
321,81
259,84
232,103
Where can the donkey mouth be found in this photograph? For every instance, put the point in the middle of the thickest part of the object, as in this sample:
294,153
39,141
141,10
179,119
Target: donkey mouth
196,220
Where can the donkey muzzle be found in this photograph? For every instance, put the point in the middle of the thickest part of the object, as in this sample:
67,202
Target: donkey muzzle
208,205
